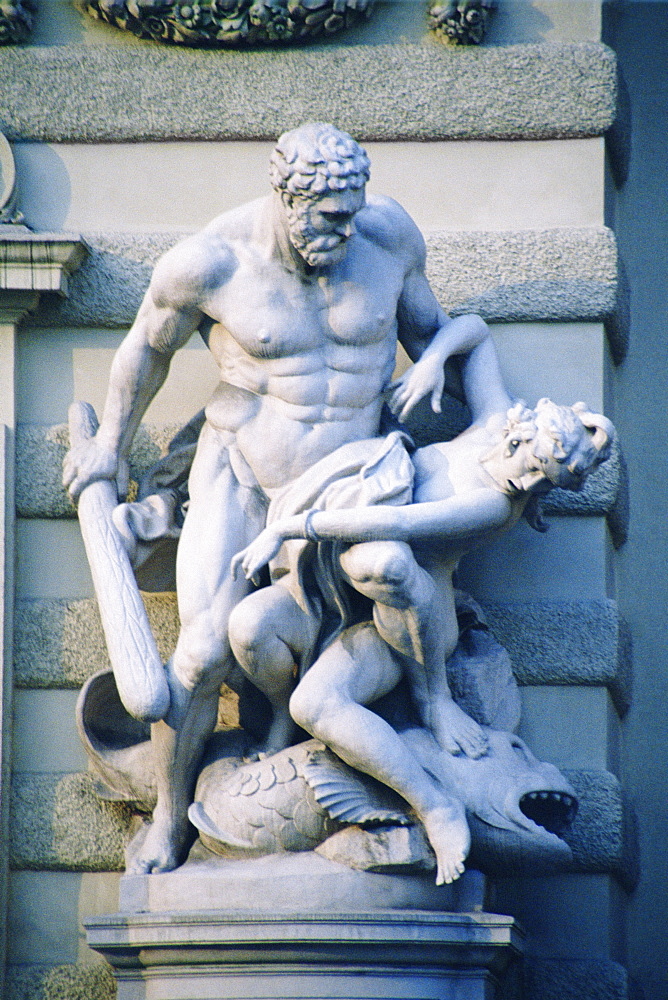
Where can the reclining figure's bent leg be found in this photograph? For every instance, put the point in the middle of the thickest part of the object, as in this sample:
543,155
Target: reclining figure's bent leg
217,525
329,702
415,615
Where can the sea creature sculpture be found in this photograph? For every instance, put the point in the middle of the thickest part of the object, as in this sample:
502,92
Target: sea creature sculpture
516,805
301,798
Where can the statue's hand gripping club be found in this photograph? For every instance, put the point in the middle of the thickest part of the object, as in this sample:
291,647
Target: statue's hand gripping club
140,675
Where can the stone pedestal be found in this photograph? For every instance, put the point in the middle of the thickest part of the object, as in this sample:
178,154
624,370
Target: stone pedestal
301,928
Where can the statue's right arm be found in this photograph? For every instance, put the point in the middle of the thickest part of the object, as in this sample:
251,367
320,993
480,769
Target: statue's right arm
167,317
466,517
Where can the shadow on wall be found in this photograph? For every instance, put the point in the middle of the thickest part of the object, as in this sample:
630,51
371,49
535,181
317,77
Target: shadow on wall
516,21
44,190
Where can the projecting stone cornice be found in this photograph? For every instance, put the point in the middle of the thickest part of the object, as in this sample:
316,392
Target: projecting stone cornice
60,824
121,94
562,274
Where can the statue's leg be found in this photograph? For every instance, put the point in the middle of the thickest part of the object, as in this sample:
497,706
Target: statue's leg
415,614
269,632
217,525
329,703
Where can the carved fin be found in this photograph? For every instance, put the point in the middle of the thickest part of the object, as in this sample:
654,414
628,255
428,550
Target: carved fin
350,797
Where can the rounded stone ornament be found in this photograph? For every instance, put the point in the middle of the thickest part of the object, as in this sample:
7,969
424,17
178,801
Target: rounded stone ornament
460,22
8,193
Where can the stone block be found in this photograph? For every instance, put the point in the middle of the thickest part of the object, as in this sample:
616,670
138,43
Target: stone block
59,823
519,91
60,982
551,979
568,273
566,642
603,837
40,453
60,643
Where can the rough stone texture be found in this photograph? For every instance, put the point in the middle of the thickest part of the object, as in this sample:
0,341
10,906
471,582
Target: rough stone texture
522,91
60,982
60,824
567,273
561,979
40,452
561,274
602,837
59,643
566,642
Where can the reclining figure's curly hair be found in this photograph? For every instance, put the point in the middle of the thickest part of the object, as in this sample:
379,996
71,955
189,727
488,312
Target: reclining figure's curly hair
572,436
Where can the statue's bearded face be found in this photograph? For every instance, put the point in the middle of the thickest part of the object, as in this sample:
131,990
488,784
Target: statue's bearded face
320,227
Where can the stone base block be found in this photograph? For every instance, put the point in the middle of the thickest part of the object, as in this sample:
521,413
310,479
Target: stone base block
302,927
381,955
299,882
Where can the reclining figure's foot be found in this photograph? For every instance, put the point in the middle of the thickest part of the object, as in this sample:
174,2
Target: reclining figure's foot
448,833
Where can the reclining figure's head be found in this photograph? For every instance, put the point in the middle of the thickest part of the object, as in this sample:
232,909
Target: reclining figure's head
550,446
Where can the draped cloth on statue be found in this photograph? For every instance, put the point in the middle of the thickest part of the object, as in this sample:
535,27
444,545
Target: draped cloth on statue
364,473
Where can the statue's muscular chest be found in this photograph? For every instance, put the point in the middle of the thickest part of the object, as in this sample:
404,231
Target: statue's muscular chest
269,315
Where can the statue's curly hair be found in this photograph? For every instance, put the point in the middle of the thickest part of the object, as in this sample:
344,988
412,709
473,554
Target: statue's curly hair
315,158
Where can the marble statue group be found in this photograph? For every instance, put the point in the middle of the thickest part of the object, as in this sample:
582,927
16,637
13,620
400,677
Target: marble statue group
317,551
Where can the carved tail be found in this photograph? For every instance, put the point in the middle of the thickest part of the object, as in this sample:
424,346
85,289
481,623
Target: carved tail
140,675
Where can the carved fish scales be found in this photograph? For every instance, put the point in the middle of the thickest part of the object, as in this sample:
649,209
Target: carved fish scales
291,801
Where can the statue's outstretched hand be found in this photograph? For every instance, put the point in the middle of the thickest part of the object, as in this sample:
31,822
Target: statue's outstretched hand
425,377
257,554
91,461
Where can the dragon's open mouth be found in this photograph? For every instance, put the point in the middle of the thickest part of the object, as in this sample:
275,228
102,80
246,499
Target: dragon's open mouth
553,810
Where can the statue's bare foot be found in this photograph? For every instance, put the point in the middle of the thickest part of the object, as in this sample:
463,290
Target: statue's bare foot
448,833
155,848
456,732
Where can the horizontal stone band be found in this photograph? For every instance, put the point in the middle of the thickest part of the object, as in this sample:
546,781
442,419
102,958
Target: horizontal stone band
60,824
59,643
121,94
40,453
565,274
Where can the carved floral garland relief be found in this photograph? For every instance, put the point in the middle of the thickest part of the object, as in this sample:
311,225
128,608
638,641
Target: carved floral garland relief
245,23
16,20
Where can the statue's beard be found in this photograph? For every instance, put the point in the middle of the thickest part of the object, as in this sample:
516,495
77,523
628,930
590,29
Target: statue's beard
317,249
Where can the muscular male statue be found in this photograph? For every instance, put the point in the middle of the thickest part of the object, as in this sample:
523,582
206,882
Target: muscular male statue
301,297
